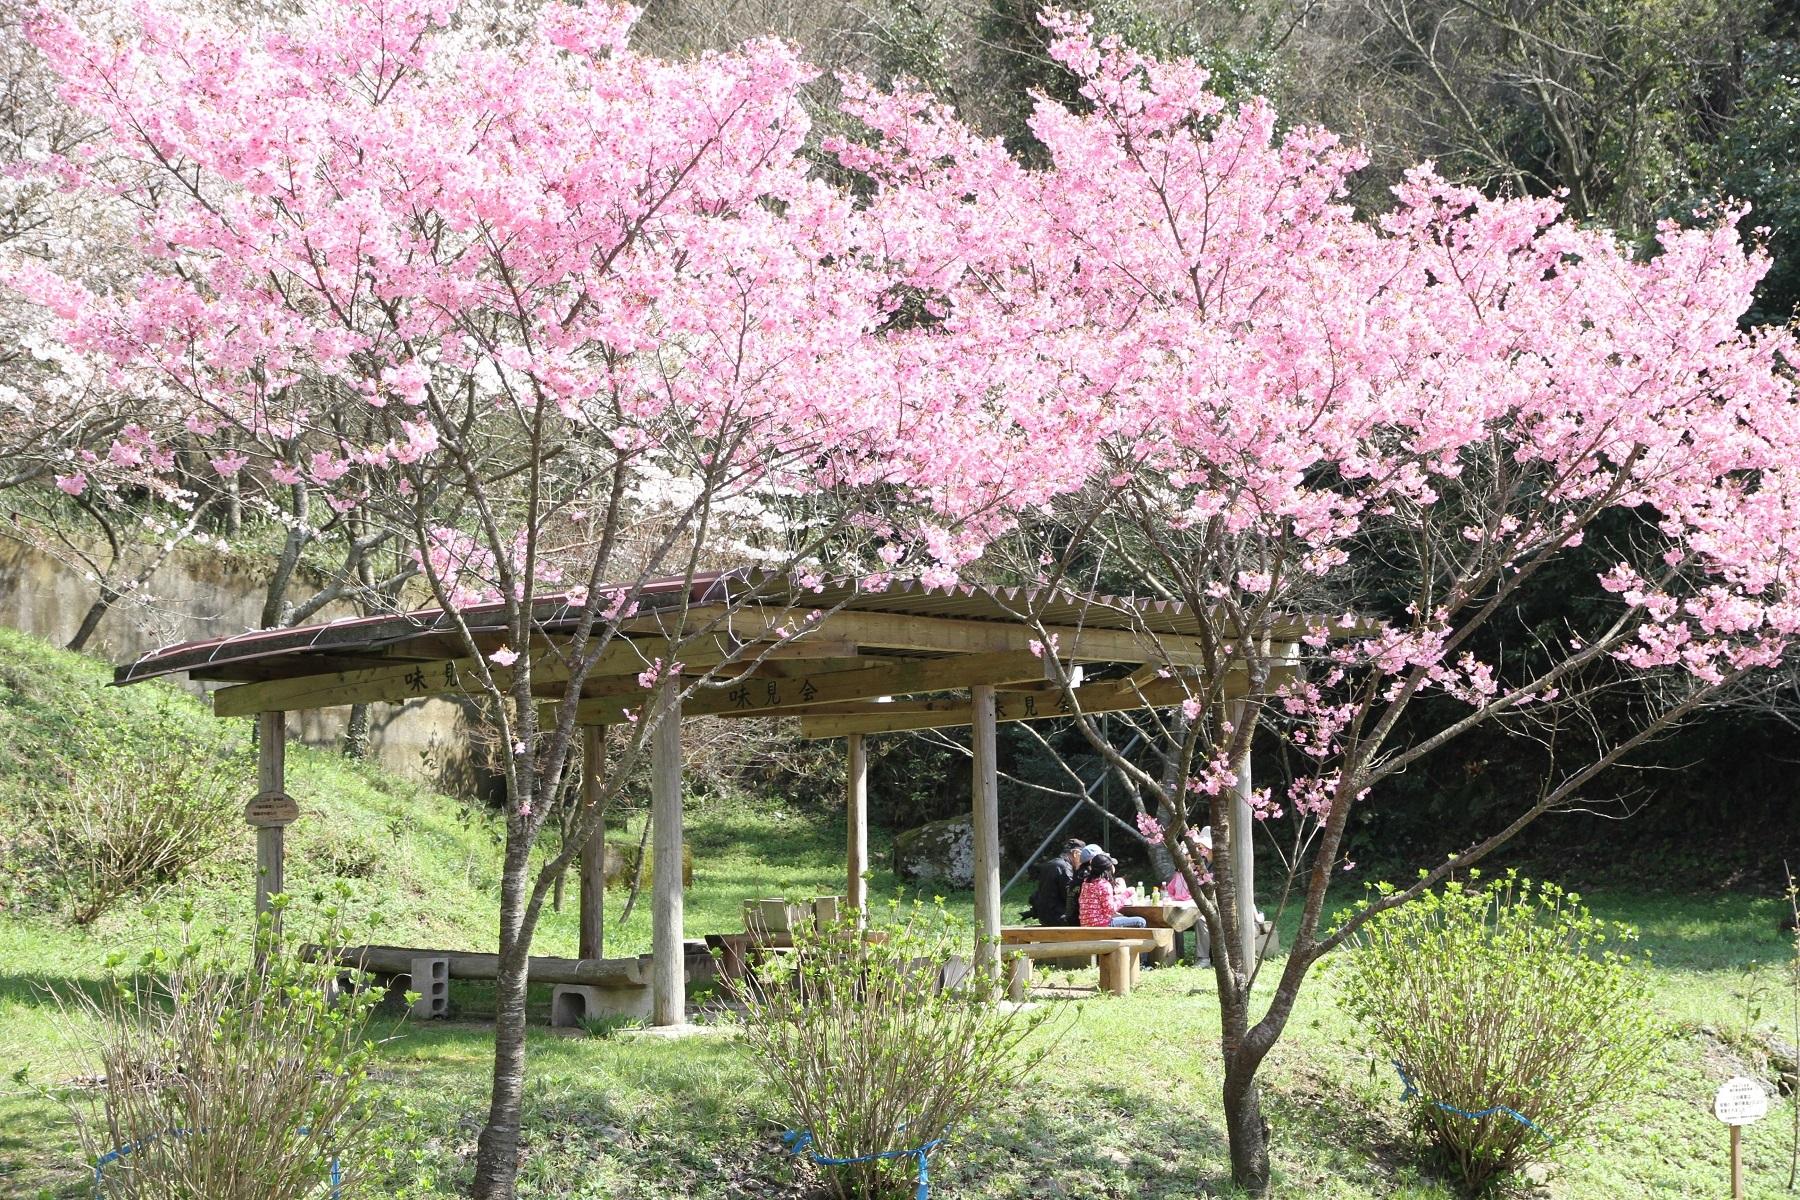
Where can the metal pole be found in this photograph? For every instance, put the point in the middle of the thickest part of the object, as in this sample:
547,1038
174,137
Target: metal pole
1086,793
1105,788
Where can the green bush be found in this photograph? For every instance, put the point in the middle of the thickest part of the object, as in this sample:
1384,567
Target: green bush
228,1080
871,1055
1504,995
132,817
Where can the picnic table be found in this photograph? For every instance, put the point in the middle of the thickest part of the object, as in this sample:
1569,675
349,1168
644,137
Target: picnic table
1176,916
1116,949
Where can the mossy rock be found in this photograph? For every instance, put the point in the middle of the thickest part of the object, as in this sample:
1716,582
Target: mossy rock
941,852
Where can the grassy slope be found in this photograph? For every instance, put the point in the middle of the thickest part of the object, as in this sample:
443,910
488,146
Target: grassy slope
1125,1107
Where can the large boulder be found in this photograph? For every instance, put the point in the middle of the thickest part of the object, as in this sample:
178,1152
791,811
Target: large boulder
942,852
620,865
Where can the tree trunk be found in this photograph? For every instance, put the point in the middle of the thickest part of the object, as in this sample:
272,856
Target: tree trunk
497,1154
275,599
1246,1130
91,621
356,732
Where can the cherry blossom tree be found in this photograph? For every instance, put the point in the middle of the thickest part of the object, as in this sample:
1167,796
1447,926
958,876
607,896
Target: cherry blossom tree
548,313
1357,450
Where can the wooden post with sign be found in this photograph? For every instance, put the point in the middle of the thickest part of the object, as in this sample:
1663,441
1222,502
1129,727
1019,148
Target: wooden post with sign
271,810
1740,1101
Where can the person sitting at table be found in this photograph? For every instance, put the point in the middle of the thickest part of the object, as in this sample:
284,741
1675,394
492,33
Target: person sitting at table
1177,887
1177,891
1054,900
1102,894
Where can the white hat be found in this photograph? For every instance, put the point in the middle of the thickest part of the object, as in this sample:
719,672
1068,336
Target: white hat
1205,836
1089,851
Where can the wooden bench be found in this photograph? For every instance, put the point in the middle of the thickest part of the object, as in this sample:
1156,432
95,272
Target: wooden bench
595,986
1149,940
738,955
1118,951
464,964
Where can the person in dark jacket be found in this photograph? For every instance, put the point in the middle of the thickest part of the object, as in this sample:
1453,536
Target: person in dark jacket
1054,901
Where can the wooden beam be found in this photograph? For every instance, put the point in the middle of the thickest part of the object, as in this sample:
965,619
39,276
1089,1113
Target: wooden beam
844,719
746,614
986,820
956,635
268,670
856,806
1145,675
465,964
769,696
456,676
668,969
593,852
1243,855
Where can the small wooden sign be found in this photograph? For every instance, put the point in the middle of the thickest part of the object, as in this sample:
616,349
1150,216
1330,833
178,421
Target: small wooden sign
267,809
1741,1101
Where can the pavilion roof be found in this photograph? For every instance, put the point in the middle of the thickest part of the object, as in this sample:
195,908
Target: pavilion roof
864,646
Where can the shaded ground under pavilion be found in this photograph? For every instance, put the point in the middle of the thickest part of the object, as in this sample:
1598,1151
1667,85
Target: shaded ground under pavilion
973,656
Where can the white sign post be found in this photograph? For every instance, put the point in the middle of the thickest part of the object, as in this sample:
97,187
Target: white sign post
1741,1101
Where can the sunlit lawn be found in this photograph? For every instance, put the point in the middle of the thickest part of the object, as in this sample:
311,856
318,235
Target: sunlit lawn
1125,1106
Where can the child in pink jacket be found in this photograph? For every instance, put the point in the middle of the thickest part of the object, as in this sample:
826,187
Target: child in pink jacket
1100,897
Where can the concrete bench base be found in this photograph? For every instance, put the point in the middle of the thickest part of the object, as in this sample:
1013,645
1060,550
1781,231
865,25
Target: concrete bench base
430,978
573,1003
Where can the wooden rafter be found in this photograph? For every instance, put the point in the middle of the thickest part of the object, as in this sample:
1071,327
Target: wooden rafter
454,677
770,696
941,635
1049,703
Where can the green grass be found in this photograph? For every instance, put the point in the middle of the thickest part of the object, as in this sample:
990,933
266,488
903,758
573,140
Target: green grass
1126,1104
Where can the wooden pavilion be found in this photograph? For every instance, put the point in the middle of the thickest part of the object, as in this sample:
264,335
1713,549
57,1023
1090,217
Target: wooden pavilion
842,659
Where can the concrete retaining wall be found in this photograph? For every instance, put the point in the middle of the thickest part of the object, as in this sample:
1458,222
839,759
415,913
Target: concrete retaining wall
201,595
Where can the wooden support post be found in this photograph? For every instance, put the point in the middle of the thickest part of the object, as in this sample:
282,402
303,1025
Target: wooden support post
593,852
986,819
1243,851
856,797
669,978
271,809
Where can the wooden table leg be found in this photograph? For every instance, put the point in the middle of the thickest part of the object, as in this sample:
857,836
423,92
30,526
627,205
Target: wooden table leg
1018,979
1115,971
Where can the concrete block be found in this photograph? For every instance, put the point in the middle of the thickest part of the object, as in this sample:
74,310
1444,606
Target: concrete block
431,979
956,973
573,1003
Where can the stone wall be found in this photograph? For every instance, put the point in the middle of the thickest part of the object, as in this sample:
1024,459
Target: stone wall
196,594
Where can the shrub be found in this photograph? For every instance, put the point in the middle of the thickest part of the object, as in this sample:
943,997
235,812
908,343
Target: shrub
872,1057
228,1081
1505,995
133,818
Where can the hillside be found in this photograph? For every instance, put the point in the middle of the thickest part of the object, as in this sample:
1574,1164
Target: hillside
425,863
